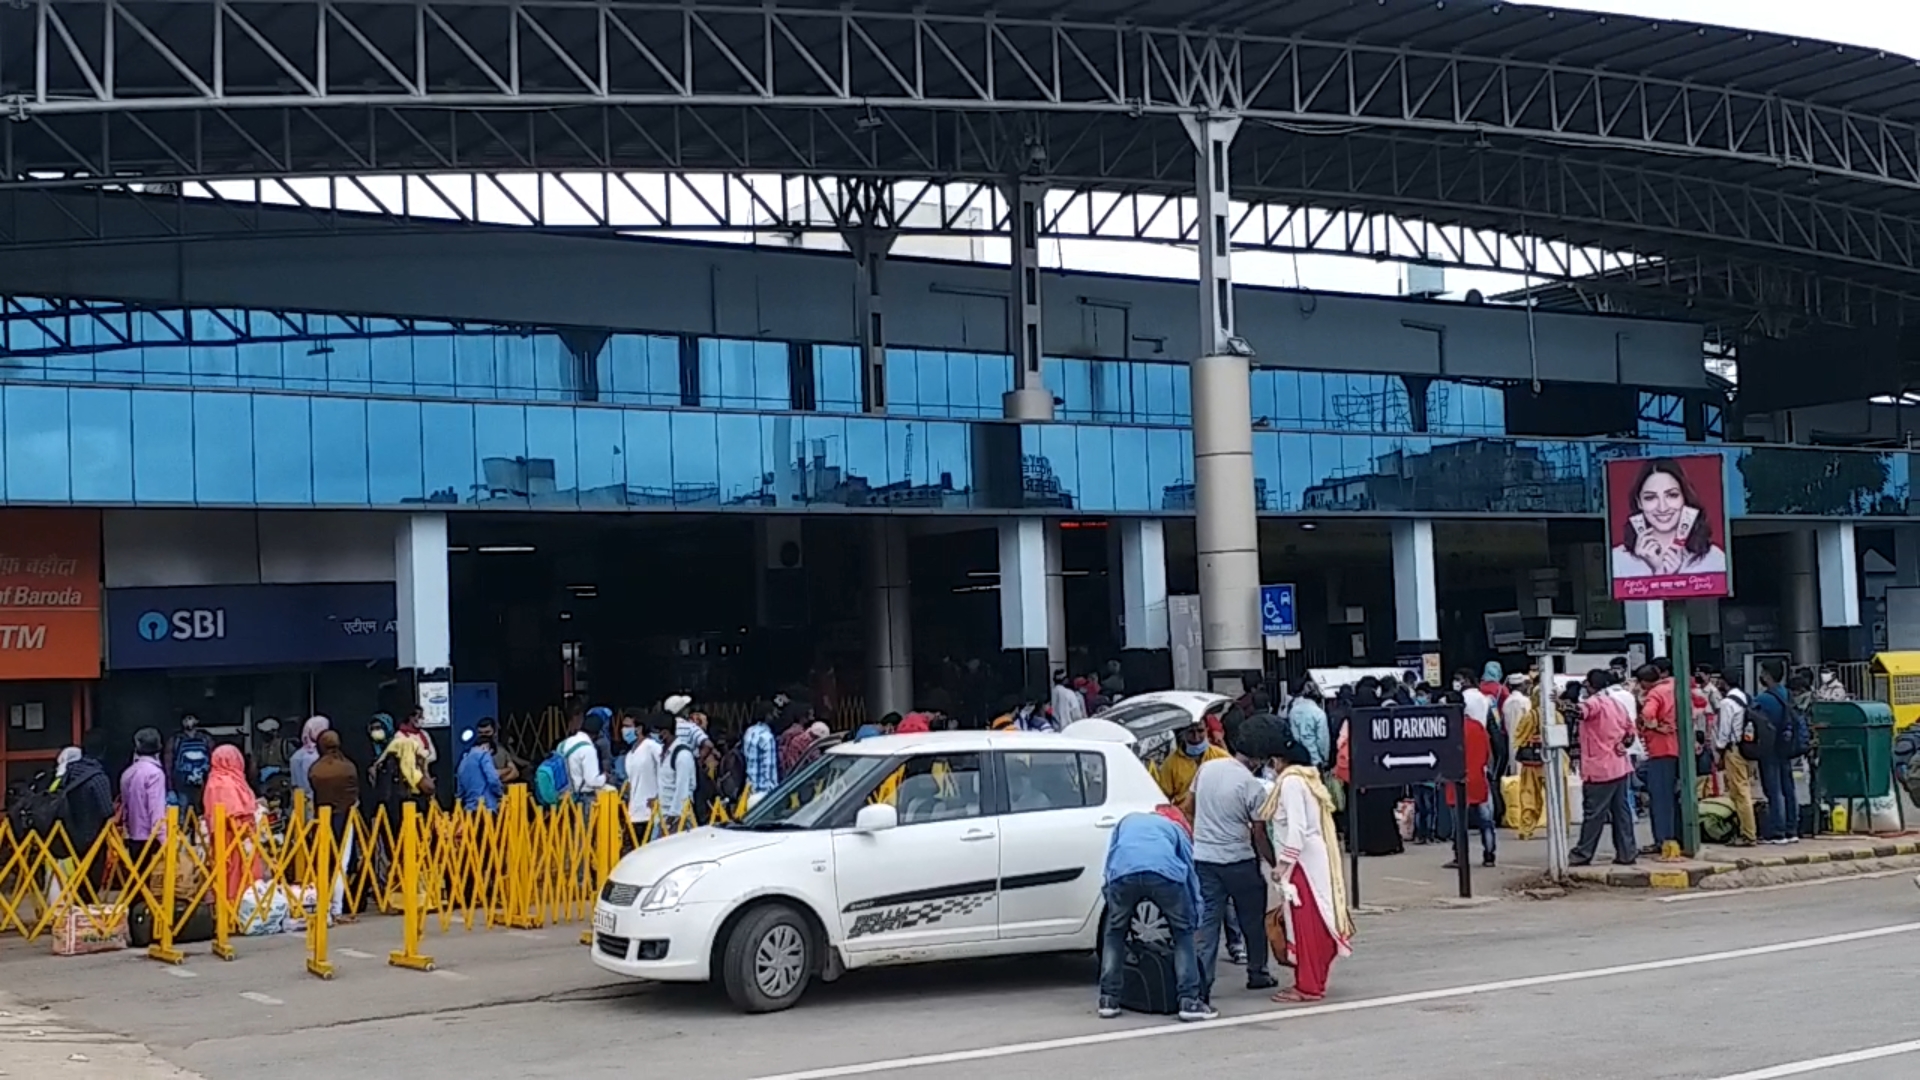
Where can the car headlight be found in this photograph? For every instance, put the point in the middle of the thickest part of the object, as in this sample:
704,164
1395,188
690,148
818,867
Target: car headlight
672,889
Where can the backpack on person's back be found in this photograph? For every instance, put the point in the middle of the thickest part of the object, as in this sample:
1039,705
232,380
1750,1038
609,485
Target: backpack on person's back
1796,733
551,780
192,761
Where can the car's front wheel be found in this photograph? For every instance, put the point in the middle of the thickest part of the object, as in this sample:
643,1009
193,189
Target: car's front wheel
768,960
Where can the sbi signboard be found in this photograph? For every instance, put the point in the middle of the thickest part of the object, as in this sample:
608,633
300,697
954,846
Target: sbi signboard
250,625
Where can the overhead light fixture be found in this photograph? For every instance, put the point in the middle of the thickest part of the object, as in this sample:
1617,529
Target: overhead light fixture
505,549
457,549
1308,526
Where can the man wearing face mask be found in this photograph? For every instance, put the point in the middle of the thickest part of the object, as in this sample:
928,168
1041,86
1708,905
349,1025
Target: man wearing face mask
1177,772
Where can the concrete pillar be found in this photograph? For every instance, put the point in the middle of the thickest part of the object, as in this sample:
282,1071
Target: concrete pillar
1647,620
863,225
1024,621
1906,554
1800,615
1225,525
1416,593
1146,656
425,623
1839,574
889,619
1029,399
1056,596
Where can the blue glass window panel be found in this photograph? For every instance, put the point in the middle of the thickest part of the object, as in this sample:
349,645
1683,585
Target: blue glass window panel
304,367
500,444
950,462
553,480
215,365
993,374
433,364
37,444
867,465
933,392
1183,396
392,365
349,364
743,469
473,365
1159,399
1167,484
222,448
162,447
817,459
600,457
696,459
258,364
1268,488
339,451
101,445
772,378
836,378
962,376
1295,470
649,458
447,453
167,365
1051,469
1132,489
282,449
512,367
1054,375
903,381
640,369
395,469
553,377
1096,490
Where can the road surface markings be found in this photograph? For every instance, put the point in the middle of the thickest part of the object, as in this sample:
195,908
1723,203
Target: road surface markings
181,973
529,935
1729,894
450,976
356,954
1831,1061
1269,1016
259,998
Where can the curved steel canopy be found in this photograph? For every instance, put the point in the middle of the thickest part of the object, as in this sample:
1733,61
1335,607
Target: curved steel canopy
1728,172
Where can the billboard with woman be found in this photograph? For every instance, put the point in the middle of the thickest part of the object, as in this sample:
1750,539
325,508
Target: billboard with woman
1667,528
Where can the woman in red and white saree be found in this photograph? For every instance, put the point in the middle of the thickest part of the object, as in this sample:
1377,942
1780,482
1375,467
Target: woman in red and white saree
1308,898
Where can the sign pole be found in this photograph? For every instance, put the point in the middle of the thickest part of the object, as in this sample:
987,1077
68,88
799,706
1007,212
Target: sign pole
1678,634
1460,841
1553,763
1353,842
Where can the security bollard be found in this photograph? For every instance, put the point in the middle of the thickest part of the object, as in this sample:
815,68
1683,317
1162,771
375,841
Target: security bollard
413,919
162,906
320,911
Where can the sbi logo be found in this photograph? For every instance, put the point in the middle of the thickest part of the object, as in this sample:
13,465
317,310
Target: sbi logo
187,624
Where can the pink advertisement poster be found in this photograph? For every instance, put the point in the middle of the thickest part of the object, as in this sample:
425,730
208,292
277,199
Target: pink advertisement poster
1667,528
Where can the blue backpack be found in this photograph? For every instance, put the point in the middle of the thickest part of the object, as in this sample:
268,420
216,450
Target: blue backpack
1796,735
551,781
192,760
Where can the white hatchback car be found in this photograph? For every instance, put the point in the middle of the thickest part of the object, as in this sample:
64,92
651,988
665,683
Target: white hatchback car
894,850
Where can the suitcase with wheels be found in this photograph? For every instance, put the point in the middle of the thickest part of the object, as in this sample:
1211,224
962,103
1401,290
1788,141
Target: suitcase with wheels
192,926
1149,982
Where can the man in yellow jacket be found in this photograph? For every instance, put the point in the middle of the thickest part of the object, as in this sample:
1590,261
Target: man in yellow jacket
1176,772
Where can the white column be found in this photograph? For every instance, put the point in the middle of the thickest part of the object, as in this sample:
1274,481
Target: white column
1416,593
1649,617
1023,584
425,622
1839,575
1225,526
889,620
1143,583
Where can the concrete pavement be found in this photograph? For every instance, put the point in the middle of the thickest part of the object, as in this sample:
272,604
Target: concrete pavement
1590,987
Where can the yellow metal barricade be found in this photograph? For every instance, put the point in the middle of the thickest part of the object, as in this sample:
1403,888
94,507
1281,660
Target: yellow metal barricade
412,911
320,912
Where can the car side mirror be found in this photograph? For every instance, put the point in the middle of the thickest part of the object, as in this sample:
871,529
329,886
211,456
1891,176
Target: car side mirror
876,817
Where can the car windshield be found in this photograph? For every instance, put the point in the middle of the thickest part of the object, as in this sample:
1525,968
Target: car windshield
804,799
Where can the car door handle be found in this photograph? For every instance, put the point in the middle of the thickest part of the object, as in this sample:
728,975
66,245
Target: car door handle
1106,822
977,834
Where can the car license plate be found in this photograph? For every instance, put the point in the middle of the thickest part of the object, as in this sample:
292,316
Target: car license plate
602,921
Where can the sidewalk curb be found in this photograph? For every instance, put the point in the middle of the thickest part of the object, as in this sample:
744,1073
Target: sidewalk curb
1638,877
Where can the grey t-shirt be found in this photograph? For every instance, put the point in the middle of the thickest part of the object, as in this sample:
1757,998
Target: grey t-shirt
1226,799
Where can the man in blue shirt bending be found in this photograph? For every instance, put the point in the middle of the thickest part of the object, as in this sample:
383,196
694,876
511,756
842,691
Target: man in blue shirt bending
1151,858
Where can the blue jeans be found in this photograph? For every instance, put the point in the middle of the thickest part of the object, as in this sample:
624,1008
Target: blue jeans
1240,882
1783,808
1489,834
1123,896
1663,798
1426,823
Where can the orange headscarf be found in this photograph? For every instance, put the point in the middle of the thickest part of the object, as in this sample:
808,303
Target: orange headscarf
227,785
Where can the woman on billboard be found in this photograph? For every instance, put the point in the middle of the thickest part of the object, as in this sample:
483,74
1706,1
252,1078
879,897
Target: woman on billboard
1667,530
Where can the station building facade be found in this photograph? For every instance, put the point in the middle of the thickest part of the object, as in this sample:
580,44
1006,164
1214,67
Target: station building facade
563,465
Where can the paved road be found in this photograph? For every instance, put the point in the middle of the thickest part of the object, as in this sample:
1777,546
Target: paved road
1744,986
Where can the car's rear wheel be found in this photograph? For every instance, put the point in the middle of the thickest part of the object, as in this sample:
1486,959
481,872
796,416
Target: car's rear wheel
768,960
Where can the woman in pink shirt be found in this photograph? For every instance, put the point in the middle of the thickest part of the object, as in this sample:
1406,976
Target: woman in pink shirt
1605,733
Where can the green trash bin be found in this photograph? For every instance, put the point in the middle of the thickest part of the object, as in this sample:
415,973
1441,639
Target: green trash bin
1856,749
